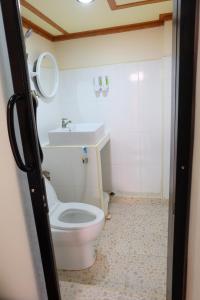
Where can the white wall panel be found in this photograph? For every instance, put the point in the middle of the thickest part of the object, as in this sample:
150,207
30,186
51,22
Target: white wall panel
133,114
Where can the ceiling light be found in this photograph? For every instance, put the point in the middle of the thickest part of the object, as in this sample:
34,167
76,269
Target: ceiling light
85,1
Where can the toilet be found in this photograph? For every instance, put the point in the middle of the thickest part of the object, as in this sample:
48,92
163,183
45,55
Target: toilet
75,227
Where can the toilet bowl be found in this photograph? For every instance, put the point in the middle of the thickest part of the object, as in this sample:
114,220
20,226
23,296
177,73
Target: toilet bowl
75,227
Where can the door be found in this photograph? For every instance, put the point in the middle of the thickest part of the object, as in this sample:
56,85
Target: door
28,159
185,29
182,126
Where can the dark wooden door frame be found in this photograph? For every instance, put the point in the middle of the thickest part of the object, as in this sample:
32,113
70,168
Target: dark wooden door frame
185,37
185,25
29,141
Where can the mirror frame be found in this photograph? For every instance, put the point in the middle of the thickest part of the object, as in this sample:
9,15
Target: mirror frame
37,75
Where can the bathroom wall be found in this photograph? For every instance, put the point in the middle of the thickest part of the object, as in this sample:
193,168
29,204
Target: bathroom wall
166,119
48,114
167,39
146,44
132,46
36,44
136,112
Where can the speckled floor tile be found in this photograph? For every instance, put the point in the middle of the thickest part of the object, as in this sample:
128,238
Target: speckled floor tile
131,255
112,229
151,219
147,273
123,200
134,200
114,245
108,271
121,208
148,244
77,291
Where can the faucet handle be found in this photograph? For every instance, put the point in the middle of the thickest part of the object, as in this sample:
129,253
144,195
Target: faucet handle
65,122
64,119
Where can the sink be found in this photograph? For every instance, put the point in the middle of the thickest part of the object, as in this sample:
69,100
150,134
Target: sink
77,134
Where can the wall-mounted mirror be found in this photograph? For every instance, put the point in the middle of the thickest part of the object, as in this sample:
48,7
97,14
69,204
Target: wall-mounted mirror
46,75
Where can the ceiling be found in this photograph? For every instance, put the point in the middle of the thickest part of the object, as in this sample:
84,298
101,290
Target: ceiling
72,17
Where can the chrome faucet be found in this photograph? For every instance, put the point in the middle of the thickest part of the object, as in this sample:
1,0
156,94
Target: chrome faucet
66,122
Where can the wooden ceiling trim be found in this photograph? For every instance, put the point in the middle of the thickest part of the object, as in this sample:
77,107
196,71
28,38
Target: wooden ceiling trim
117,29
114,6
90,33
28,24
166,17
38,13
109,30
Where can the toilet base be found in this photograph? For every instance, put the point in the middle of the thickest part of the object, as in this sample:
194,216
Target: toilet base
75,257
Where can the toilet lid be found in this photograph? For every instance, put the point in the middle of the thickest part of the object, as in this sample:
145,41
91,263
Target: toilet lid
75,215
51,194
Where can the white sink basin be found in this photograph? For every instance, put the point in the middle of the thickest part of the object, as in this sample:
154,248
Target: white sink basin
77,134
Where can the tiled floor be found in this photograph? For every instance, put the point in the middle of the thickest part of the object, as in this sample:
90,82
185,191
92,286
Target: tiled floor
131,256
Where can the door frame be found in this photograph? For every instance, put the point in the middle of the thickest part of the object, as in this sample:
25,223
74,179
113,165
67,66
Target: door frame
29,140
185,28
184,59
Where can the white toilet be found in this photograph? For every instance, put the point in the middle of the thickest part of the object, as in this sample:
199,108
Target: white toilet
74,226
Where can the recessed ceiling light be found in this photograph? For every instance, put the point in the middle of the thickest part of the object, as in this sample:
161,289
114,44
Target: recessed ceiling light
85,1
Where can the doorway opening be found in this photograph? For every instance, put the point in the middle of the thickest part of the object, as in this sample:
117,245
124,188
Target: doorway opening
107,117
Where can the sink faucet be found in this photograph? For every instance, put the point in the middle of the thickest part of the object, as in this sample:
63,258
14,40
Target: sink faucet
66,122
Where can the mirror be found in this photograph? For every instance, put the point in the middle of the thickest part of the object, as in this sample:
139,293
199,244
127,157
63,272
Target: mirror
46,75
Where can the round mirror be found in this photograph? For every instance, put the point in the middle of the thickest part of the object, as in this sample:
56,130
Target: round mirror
47,75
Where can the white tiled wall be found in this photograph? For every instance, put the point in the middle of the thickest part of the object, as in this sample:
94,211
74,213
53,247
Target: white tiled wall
137,114
166,124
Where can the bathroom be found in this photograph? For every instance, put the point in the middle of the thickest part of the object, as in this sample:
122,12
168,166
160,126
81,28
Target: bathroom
104,133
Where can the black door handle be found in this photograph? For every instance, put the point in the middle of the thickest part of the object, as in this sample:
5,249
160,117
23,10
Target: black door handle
11,132
35,105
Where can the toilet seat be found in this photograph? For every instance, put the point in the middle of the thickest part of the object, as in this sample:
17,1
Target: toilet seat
65,215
